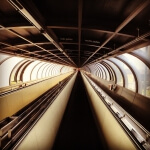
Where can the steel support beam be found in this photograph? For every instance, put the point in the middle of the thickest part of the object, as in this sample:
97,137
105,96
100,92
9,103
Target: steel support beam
122,25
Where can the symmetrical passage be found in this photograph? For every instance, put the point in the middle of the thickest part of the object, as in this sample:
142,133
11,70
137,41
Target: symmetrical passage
106,42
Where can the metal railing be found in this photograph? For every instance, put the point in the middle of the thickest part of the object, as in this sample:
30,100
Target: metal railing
20,85
138,134
13,129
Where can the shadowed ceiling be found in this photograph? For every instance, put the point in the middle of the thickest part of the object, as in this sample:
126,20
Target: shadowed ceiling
73,32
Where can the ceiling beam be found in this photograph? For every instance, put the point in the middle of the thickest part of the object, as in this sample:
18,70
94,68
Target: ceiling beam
25,39
4,50
91,29
26,52
33,17
92,45
121,26
37,43
117,51
75,28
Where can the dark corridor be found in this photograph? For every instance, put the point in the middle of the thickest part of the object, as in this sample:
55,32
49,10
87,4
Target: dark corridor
78,129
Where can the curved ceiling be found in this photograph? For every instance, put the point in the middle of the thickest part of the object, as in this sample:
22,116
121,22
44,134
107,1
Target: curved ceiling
73,33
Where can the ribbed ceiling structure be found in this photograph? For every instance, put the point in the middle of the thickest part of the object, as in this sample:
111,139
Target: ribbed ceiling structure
73,33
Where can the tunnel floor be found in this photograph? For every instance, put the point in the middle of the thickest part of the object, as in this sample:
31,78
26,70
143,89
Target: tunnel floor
78,130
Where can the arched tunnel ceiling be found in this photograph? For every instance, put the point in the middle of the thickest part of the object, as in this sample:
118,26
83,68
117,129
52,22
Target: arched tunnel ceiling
73,33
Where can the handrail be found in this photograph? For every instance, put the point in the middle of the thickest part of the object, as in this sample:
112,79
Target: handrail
7,127
139,135
25,119
17,86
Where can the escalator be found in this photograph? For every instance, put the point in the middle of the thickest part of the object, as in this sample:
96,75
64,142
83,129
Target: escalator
13,129
78,129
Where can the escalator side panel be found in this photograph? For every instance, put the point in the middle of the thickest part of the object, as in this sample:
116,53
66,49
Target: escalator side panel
42,135
113,134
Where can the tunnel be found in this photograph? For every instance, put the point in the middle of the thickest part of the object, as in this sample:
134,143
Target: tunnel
75,75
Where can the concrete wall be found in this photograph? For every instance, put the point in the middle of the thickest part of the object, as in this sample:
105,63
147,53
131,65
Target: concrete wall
111,133
42,135
11,103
